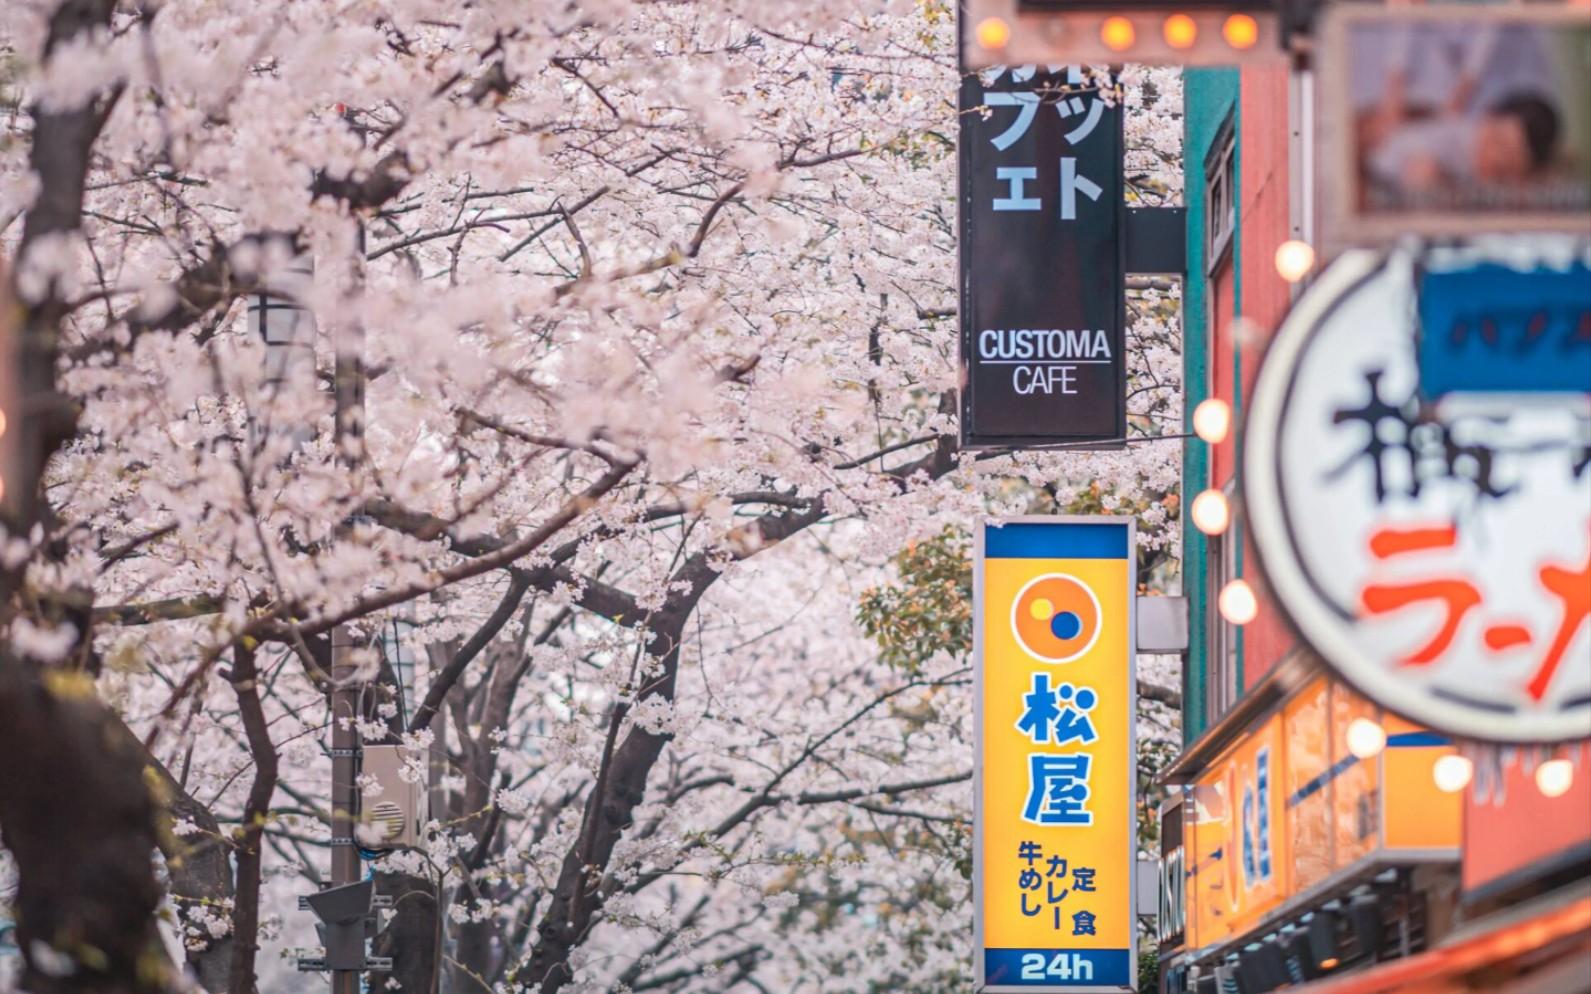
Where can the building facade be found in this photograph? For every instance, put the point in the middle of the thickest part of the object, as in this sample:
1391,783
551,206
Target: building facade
1309,839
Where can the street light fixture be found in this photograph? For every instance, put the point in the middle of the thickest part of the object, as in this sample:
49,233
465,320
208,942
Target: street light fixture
286,327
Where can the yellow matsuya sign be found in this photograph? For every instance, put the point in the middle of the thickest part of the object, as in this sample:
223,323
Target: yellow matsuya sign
1055,827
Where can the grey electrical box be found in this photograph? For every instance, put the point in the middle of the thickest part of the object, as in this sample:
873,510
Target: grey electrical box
1163,624
1147,882
394,816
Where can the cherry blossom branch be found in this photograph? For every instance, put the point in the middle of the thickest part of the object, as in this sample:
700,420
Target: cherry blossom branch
519,583
595,596
509,553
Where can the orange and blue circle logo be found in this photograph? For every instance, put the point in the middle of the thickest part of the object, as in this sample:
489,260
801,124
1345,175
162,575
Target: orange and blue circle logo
1056,618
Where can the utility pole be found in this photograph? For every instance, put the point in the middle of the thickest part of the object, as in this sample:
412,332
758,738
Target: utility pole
344,779
349,385
344,907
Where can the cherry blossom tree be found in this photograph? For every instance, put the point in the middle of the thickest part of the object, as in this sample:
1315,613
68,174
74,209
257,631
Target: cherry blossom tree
627,367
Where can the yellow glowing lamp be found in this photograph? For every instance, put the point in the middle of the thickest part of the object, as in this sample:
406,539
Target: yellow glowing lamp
993,33
1117,33
1241,31
1180,31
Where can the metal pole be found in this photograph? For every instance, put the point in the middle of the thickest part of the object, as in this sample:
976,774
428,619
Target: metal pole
349,399
344,779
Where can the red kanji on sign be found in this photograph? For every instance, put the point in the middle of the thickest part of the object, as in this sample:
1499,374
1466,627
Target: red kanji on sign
1570,585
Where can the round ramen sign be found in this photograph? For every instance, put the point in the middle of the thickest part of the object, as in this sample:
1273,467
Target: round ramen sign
1417,476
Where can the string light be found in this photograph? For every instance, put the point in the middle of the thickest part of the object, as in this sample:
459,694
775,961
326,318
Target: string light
1180,31
1452,773
1237,603
1210,512
1117,33
1241,31
1212,420
1366,738
1294,260
1555,777
993,33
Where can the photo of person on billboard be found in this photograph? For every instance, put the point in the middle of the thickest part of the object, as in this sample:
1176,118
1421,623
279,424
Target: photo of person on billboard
1470,116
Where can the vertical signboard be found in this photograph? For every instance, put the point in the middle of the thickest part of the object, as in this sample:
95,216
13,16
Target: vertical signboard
1055,838
1240,865
1042,259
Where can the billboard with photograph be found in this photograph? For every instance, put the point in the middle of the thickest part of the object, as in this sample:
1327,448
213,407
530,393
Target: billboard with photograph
1441,121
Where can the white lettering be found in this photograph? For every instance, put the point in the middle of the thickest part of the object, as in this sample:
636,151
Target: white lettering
1043,344
1044,379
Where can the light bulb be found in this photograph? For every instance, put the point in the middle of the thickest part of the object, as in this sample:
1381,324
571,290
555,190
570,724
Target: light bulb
993,33
1212,420
1241,31
1237,603
1555,777
1117,33
1294,260
1210,512
1180,31
1452,773
1366,738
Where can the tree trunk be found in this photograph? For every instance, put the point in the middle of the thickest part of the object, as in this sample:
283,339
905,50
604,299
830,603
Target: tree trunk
78,818
620,787
200,872
250,835
411,937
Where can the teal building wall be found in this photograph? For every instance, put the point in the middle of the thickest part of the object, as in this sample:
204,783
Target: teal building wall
1210,96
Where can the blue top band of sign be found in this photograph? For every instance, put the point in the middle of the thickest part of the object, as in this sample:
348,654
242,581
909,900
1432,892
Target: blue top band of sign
1492,329
1061,540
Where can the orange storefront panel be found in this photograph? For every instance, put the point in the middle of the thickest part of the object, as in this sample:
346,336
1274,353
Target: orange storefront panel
1356,801
1289,807
1419,815
1309,789
1240,868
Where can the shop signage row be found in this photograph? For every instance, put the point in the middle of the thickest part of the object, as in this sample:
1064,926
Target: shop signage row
1289,810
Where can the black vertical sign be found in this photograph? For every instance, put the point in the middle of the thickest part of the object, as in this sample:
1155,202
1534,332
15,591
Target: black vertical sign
1043,260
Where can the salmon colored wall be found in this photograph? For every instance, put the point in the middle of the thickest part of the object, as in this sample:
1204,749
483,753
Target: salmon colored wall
1506,830
1268,638
1264,223
1264,209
